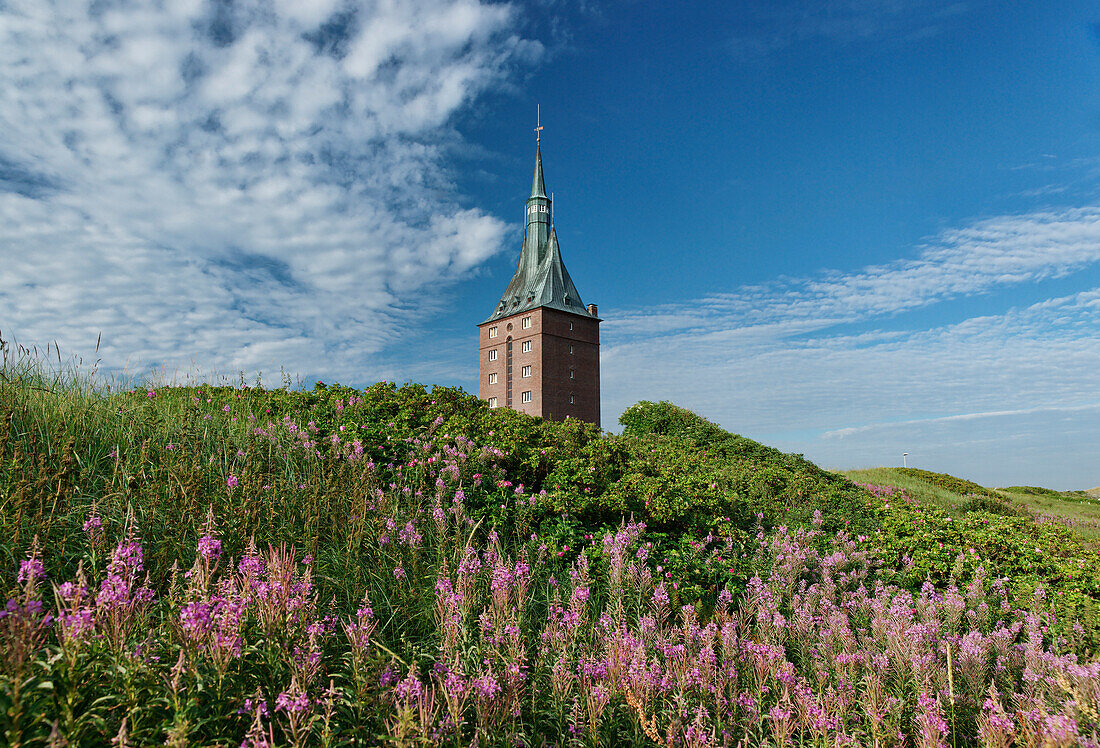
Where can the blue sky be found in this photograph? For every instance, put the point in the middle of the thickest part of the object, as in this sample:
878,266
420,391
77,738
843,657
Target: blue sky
846,229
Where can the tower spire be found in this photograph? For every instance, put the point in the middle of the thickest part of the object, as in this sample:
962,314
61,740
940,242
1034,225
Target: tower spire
538,186
540,348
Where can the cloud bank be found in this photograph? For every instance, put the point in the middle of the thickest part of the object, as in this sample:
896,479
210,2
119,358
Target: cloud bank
241,185
855,368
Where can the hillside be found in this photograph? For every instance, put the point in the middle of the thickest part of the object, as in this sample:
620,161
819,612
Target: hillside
1076,511
404,565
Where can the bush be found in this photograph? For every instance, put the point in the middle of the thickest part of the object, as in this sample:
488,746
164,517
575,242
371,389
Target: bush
978,503
733,475
1034,491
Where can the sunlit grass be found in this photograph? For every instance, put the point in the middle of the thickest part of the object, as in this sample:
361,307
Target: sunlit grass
917,489
1074,510
1079,513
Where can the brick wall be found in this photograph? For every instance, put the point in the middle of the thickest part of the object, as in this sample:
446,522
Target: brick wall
556,352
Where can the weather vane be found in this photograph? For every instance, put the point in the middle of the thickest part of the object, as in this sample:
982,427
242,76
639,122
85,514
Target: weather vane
538,121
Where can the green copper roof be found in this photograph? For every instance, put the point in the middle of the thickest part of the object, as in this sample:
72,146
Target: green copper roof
541,279
538,186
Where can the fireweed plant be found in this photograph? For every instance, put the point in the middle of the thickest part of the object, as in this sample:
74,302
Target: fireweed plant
234,566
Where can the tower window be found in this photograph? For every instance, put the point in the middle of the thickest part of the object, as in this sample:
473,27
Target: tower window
492,332
493,355
570,350
493,378
492,402
526,347
525,323
570,325
526,371
572,399
572,374
525,397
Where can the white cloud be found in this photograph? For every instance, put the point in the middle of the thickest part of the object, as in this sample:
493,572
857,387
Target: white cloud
244,185
852,430
804,362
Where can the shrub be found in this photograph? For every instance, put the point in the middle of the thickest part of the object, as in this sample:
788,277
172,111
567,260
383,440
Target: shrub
733,475
980,503
1034,491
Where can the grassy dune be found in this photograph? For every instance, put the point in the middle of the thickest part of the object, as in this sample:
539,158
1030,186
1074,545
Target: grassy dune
404,566
1077,511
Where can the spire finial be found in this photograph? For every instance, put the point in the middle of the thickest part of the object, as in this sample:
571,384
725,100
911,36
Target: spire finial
538,121
551,210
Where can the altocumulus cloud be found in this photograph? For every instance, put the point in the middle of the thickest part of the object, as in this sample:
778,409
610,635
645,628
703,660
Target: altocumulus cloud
239,185
848,369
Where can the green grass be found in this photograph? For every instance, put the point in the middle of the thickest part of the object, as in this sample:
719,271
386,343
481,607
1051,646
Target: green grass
1077,511
918,488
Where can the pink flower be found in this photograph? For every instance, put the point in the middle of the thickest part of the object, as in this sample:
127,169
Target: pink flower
210,547
31,570
231,481
293,701
93,524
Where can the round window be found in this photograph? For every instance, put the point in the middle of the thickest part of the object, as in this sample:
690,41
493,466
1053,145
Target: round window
509,325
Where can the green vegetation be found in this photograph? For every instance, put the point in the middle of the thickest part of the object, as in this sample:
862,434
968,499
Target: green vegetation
915,486
1078,511
1033,490
429,559
956,496
950,483
164,455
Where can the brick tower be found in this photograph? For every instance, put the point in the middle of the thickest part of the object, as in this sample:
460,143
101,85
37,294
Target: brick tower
540,348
